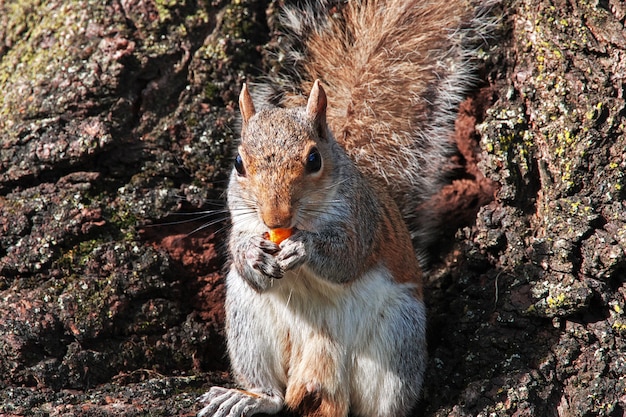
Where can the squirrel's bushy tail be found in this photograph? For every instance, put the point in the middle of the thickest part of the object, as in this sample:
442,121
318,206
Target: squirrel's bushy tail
395,72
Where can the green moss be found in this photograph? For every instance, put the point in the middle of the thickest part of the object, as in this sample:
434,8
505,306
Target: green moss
74,260
557,302
214,52
211,91
125,222
163,9
235,23
92,299
619,327
48,45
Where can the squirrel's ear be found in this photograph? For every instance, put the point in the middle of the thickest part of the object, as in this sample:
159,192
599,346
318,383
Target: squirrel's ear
246,106
316,106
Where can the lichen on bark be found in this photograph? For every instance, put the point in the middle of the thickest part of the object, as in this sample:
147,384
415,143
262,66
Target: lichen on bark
550,248
118,118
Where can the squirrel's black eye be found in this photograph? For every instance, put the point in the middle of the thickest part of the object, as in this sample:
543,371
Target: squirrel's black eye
239,165
313,161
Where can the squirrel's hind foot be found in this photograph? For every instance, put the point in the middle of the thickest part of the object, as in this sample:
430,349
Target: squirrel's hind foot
224,402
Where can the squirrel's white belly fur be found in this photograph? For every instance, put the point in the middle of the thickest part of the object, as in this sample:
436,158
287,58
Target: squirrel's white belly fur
314,331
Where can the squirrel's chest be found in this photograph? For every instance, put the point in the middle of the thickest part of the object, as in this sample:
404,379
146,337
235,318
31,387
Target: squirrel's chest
304,304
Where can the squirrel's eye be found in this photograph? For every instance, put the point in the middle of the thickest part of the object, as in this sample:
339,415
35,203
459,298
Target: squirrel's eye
313,161
239,165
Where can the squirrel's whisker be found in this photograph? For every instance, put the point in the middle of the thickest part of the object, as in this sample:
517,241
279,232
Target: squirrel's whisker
205,226
191,220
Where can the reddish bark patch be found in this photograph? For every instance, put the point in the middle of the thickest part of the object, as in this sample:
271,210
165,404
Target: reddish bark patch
202,262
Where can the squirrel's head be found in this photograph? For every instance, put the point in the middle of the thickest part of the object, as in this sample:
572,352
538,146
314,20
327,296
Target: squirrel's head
284,163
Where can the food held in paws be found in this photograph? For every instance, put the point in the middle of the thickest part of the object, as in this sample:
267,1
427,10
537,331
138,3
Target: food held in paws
278,235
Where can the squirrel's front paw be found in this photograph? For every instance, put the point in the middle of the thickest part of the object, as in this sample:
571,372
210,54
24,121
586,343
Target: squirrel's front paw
260,257
291,255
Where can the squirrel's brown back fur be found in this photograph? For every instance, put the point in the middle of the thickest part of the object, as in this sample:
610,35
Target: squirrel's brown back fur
396,71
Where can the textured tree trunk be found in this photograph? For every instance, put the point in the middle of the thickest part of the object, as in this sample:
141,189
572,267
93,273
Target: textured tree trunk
529,318
118,118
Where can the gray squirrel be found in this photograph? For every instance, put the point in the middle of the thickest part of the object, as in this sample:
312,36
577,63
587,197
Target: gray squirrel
324,306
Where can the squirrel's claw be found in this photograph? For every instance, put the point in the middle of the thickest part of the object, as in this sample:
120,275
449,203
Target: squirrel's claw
292,254
265,263
260,258
224,402
267,245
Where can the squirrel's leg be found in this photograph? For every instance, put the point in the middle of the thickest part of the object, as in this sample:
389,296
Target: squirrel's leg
318,384
387,376
253,335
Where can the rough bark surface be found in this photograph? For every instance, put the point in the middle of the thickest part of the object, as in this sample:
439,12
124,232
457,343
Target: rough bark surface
117,120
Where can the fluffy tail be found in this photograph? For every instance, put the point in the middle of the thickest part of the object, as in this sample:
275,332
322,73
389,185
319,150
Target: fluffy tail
395,72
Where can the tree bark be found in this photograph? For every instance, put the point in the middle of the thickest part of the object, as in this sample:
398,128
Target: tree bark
117,120
529,320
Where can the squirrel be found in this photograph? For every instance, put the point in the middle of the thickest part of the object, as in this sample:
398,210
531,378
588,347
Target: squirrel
331,320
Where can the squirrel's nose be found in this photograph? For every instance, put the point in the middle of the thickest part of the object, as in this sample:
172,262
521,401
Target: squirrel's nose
277,217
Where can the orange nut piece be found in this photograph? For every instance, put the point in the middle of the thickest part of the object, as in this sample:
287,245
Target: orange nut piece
278,235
